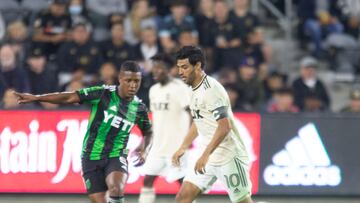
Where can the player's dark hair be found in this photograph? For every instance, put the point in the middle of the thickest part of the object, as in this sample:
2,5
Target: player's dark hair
167,59
131,66
284,91
194,54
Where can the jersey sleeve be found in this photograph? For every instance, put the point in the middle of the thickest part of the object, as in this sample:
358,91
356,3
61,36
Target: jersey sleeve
184,96
91,94
217,102
143,121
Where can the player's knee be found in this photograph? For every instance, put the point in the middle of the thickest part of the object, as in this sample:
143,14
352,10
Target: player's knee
115,190
183,197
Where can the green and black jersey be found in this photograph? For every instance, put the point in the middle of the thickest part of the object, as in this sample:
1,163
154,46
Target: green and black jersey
110,122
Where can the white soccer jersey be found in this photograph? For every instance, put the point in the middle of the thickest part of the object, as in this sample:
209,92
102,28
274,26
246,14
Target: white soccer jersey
171,122
207,97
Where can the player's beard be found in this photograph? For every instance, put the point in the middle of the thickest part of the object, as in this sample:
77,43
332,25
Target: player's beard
191,77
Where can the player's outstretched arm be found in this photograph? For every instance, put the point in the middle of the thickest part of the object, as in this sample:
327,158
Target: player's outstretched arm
189,138
55,98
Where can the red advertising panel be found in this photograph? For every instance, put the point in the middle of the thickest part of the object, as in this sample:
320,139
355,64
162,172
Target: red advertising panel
40,152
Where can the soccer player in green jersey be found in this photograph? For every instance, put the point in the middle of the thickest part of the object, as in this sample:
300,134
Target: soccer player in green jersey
114,112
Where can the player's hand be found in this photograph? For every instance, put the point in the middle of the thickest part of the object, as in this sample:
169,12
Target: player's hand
201,163
140,155
176,157
25,97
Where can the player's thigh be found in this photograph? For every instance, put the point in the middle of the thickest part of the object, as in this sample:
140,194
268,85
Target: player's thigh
187,193
116,172
154,165
235,176
202,181
94,176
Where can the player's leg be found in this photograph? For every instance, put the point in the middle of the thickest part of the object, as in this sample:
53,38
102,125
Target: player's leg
188,193
152,168
116,181
194,184
98,197
94,180
147,193
116,177
235,176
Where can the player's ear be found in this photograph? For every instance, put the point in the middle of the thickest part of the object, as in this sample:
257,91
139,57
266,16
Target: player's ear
198,66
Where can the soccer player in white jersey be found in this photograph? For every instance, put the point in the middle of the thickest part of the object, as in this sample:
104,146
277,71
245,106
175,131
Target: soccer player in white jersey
169,104
224,155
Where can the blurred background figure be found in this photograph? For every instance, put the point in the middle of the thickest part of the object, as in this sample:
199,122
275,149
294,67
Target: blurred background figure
140,16
51,28
353,105
13,73
99,12
282,102
108,74
308,87
178,20
116,50
250,88
42,75
81,51
17,36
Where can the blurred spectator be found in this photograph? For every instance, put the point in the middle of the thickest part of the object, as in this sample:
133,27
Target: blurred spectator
115,18
100,10
17,37
314,104
308,87
283,102
11,10
204,22
254,49
31,8
117,50
244,20
227,76
80,52
354,103
233,93
140,16
227,41
204,17
2,27
13,74
250,88
175,22
3,86
108,74
275,81
52,27
318,21
186,38
42,75
77,10
147,48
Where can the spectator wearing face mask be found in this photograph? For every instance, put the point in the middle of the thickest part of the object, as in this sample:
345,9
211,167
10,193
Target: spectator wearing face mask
77,10
308,85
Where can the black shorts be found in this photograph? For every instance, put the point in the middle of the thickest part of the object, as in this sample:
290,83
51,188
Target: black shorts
94,172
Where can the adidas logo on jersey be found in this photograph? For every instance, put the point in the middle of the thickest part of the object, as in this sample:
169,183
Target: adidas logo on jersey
113,108
236,190
303,162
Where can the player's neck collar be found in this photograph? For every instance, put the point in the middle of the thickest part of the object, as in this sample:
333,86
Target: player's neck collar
198,85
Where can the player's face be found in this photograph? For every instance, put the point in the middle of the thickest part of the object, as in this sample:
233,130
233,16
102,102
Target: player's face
186,71
129,83
159,71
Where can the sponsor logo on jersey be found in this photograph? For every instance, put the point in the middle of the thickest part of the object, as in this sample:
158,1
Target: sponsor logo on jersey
118,122
303,162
